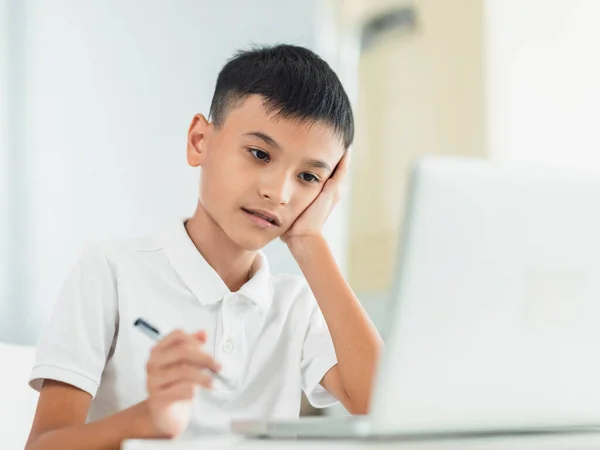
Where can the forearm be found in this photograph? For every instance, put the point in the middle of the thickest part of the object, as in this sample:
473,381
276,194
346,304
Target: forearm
108,433
357,343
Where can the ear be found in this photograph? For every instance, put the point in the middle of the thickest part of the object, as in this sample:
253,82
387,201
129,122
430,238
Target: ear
196,143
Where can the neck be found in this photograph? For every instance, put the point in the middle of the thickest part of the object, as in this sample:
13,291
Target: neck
231,262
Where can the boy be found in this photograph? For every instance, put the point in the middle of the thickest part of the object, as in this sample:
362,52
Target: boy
273,157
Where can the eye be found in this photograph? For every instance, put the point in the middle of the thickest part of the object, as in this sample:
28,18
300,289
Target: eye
309,177
261,155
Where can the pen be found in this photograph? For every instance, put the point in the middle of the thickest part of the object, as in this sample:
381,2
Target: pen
153,333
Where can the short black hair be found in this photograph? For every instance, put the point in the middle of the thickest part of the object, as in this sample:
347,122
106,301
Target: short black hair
293,80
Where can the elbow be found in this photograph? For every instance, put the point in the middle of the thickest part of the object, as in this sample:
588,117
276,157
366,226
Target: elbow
364,409
357,406
359,409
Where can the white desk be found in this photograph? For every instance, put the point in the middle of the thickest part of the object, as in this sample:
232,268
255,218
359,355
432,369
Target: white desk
556,442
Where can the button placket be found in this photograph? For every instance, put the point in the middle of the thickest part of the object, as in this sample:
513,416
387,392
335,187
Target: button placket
232,347
227,346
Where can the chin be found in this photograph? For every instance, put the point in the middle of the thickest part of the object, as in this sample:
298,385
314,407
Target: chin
252,245
250,241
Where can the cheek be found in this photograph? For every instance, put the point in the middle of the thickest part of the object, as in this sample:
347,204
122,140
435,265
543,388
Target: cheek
213,184
304,199
220,189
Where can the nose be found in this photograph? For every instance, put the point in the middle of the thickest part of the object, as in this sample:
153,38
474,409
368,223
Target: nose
276,188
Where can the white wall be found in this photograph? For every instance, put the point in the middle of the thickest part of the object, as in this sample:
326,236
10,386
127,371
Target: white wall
3,159
108,91
543,81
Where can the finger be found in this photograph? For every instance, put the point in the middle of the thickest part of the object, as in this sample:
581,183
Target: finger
179,337
186,354
172,338
200,335
176,374
175,338
342,167
332,190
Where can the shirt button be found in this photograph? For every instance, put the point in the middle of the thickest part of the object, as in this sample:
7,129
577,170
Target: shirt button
227,346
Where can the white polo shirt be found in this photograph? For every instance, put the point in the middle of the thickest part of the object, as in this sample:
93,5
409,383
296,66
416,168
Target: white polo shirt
270,336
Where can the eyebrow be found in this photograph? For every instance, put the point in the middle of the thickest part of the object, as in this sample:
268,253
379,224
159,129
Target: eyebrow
318,164
265,137
315,163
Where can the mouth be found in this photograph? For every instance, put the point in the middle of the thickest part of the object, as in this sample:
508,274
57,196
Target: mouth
262,218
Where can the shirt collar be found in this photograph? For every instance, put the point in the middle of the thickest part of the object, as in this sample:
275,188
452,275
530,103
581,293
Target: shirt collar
204,282
258,288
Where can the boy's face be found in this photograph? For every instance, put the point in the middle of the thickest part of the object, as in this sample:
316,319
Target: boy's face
260,171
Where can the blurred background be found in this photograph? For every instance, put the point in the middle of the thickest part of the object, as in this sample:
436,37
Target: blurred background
96,98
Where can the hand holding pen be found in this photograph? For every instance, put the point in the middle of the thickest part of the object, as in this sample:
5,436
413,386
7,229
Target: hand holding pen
176,367
152,332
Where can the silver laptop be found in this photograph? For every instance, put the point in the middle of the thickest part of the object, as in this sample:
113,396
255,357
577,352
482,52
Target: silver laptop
495,316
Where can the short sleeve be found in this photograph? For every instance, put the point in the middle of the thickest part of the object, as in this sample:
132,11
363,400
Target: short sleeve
76,341
318,357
